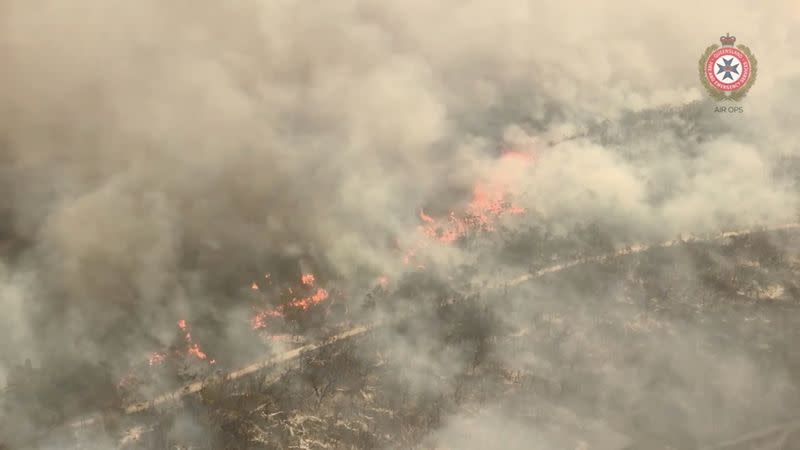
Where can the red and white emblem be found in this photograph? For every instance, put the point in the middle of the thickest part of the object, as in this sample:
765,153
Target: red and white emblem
727,68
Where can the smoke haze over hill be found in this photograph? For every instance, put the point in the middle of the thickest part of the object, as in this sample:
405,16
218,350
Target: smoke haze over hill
156,157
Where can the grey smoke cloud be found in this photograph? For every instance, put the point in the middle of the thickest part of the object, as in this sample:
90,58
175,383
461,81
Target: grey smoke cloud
159,154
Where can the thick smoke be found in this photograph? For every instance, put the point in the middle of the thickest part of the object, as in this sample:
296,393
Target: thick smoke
158,156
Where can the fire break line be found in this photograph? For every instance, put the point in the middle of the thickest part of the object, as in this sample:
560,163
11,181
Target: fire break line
275,360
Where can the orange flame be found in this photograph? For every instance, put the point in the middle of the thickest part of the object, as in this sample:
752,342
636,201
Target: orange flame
156,358
192,348
259,318
307,302
383,281
424,217
489,202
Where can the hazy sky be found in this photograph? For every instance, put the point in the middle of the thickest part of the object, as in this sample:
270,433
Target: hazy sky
150,149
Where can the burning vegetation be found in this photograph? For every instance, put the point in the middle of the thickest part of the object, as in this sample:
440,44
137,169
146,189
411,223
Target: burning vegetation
358,392
491,200
273,225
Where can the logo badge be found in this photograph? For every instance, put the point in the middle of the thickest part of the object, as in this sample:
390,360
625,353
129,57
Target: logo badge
728,71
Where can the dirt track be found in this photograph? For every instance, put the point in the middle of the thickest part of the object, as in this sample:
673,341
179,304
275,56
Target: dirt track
361,330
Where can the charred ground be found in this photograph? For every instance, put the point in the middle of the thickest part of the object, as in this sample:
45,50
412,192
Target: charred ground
634,351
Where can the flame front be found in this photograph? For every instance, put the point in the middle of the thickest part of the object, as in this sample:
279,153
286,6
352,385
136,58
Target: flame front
489,202
383,281
156,358
191,348
307,281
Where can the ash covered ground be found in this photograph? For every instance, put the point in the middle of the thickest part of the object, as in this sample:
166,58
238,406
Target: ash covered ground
188,188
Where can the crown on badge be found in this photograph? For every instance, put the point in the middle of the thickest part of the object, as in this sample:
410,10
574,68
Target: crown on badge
727,39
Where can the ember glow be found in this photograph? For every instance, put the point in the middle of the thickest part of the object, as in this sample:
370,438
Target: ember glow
425,218
307,281
383,281
191,348
156,358
491,199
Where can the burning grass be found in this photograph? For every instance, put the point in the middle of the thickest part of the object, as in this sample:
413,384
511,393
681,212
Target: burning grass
382,392
360,395
371,394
